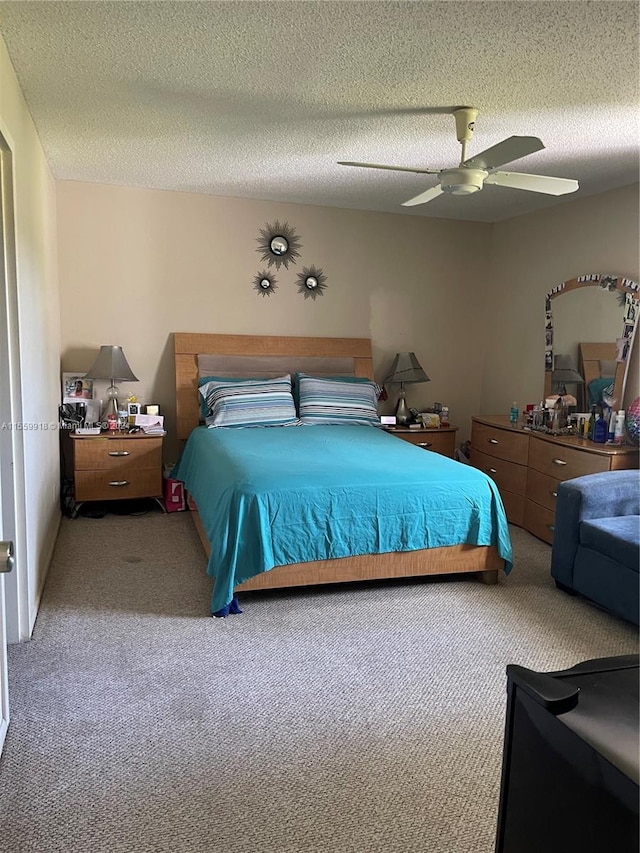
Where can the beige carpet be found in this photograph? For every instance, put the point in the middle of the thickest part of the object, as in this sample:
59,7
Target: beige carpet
360,718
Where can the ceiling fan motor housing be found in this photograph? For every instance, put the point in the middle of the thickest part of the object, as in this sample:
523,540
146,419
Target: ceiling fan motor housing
462,181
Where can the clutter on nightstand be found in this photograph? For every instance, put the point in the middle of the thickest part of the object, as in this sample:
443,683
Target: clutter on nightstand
151,424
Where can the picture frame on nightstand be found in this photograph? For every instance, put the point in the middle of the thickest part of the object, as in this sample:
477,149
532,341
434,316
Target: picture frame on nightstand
133,409
76,388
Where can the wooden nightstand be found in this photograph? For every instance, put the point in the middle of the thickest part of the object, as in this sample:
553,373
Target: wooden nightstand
111,467
441,440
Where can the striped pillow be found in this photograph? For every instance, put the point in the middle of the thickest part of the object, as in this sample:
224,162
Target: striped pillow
337,401
204,380
250,403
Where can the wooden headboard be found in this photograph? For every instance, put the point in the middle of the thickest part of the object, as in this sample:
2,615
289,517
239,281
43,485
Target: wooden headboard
188,345
589,366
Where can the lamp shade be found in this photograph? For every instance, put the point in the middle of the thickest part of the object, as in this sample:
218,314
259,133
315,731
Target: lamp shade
564,370
406,368
111,364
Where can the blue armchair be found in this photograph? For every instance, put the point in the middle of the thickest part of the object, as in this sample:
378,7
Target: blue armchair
596,541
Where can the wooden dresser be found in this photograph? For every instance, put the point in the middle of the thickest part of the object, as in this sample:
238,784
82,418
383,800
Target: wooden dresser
527,467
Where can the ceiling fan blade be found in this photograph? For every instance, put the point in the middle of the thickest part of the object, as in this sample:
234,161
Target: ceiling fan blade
505,152
390,168
424,197
533,183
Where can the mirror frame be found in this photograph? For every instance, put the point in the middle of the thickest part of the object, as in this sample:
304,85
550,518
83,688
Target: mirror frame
622,285
279,231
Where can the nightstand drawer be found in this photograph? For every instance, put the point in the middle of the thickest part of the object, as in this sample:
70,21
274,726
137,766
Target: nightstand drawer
110,485
440,442
505,444
506,475
564,463
112,453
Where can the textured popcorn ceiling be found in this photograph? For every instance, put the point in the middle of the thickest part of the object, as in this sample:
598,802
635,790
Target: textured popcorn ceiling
260,99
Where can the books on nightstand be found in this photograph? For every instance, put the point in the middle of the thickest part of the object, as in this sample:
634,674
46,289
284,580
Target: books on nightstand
151,424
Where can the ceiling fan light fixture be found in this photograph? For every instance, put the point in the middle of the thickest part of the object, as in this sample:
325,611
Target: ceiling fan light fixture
470,175
462,181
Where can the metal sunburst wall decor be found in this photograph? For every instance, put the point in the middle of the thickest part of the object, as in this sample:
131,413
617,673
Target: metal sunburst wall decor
279,245
311,282
264,283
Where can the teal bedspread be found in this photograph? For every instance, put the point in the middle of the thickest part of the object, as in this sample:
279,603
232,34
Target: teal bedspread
274,496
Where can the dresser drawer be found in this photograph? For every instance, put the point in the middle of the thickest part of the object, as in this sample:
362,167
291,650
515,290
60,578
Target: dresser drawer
112,453
513,506
564,463
107,485
503,443
539,521
439,442
542,489
507,475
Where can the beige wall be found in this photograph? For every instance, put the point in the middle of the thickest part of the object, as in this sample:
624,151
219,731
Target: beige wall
529,256
39,333
468,298
137,265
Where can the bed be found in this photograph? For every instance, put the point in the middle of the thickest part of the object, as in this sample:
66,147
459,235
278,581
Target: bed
255,496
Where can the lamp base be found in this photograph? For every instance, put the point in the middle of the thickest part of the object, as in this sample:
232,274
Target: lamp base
111,404
110,408
402,413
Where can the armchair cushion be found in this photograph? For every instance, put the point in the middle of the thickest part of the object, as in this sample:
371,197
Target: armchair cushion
619,538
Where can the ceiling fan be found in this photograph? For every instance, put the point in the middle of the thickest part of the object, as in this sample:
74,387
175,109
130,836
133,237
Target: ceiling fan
471,175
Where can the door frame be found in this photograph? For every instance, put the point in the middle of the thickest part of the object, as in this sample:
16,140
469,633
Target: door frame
13,518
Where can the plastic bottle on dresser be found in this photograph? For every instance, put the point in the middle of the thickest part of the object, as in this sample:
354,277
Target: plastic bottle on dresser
612,427
600,430
619,430
513,414
537,415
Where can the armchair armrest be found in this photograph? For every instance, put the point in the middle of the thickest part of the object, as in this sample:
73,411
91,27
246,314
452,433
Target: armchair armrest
607,495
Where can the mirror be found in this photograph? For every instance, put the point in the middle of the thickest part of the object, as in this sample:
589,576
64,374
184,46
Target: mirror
592,319
279,245
312,282
264,283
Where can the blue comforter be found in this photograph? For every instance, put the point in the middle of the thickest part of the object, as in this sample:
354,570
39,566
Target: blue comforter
273,496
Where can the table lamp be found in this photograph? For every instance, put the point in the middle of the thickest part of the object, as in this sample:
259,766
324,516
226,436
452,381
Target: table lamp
111,365
564,372
405,368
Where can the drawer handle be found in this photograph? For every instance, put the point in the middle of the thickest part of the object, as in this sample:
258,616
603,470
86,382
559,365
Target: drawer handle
119,453
553,494
551,527
119,483
424,444
559,462
493,470
493,441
